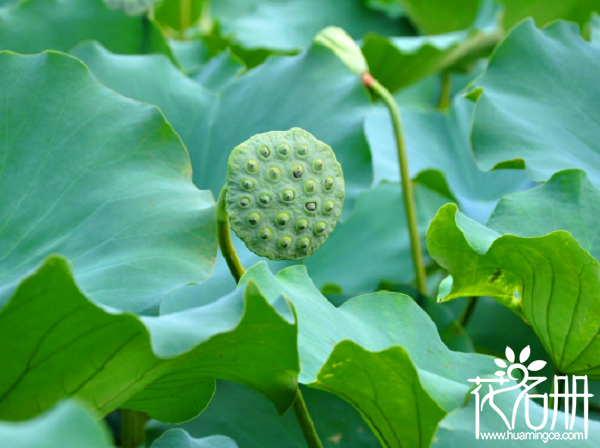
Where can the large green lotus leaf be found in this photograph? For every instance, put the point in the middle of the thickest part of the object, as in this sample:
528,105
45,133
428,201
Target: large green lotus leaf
549,120
250,419
386,337
551,281
397,62
98,178
457,430
191,54
313,91
568,201
545,11
155,80
57,343
68,425
33,26
438,143
219,71
292,24
442,16
178,438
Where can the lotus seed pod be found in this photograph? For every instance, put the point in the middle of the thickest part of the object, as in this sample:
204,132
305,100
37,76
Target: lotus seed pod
131,7
285,192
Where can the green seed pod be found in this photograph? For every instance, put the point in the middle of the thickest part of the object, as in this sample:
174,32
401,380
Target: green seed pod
299,193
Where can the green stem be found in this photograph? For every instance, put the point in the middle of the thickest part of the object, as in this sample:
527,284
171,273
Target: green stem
237,271
185,13
306,423
224,237
407,187
445,93
133,428
468,311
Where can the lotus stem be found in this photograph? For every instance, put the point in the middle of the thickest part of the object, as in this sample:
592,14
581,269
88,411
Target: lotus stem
468,311
224,237
237,271
133,428
185,11
407,188
444,102
306,423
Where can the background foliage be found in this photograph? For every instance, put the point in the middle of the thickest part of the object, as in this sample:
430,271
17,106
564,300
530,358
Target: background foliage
116,123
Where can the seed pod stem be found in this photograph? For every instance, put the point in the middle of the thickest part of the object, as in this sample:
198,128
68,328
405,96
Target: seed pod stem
407,190
306,423
224,237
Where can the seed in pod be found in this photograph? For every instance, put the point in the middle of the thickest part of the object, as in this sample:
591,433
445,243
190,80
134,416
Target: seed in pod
274,173
318,165
285,193
302,224
297,171
264,198
302,149
252,166
310,186
329,182
320,227
265,234
283,218
288,195
264,151
285,242
253,218
283,148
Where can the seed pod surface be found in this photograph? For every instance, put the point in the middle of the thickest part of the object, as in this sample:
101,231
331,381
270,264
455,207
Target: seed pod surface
281,166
